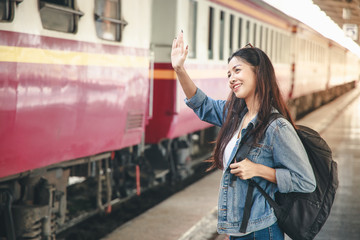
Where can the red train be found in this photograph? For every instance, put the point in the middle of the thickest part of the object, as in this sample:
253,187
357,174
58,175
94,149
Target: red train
88,92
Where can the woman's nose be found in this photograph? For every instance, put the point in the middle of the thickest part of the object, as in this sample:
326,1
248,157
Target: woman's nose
232,80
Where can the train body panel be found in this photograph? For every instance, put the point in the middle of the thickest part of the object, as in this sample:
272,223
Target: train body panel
283,77
172,118
311,67
338,65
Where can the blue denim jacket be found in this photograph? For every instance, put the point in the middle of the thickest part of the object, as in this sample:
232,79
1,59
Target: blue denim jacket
280,149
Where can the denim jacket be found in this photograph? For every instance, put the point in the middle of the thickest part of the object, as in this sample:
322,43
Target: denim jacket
280,149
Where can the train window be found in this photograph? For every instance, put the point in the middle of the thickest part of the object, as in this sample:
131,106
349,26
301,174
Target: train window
285,49
247,32
307,48
6,10
192,27
108,22
266,40
260,37
254,32
210,36
59,15
275,47
271,47
240,33
222,31
287,53
280,47
231,33
317,53
302,49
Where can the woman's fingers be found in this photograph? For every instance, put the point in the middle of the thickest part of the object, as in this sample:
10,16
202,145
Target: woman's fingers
186,51
174,43
181,40
244,169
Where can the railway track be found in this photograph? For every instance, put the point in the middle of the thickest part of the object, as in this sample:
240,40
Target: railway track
94,224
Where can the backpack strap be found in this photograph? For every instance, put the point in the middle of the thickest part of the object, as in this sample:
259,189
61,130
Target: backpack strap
241,154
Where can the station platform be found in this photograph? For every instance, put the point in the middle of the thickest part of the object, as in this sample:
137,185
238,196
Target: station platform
192,213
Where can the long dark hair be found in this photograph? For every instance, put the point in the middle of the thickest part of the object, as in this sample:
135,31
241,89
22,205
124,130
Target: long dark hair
268,93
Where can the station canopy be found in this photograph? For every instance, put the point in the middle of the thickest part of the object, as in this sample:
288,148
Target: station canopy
345,13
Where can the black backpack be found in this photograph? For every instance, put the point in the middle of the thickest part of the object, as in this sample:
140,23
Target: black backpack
300,215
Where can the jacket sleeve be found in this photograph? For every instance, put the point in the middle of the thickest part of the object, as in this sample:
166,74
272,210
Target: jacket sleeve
293,172
206,108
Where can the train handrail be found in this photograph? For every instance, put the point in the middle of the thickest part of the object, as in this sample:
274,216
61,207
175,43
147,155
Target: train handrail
112,20
61,8
151,90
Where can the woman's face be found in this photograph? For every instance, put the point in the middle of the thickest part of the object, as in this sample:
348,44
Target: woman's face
242,79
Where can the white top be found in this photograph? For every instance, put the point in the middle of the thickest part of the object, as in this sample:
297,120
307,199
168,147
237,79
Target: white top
228,150
230,147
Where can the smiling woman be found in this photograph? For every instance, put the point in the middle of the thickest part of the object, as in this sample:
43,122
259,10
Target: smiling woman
254,96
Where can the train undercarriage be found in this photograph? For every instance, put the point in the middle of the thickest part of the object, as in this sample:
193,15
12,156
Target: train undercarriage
44,202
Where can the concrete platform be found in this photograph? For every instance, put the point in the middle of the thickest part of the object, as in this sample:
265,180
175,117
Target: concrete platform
174,216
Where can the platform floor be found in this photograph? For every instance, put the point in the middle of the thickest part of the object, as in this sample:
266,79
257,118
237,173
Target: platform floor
191,213
176,215
343,137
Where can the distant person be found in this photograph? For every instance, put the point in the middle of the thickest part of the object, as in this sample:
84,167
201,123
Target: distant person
277,160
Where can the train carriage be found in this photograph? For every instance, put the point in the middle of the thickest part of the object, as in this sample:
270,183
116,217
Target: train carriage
74,87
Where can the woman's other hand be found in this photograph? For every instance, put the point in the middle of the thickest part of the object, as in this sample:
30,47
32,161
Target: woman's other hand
245,169
178,53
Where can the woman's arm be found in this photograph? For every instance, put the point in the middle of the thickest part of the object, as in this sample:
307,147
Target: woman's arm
207,109
178,57
294,172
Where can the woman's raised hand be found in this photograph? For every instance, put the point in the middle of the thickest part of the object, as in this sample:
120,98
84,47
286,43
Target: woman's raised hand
178,53
178,56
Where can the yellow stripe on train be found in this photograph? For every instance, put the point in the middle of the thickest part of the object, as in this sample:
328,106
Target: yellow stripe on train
168,74
45,56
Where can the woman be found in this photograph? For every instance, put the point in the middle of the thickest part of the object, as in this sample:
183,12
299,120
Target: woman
277,160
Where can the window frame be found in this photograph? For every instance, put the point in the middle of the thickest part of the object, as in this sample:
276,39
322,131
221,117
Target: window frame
120,22
71,9
211,18
222,22
231,33
10,10
193,15
240,31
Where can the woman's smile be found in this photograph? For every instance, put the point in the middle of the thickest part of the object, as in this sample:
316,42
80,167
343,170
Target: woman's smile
236,86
